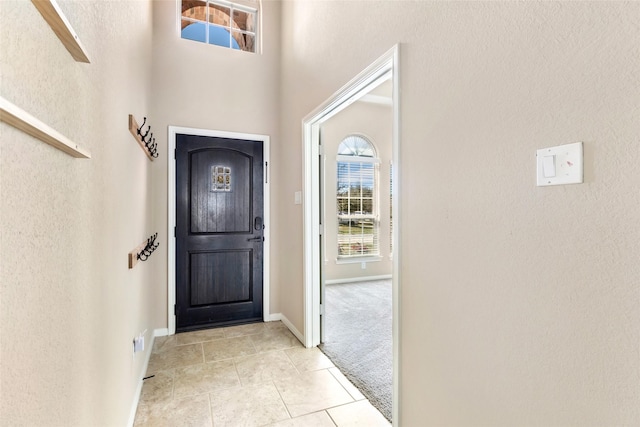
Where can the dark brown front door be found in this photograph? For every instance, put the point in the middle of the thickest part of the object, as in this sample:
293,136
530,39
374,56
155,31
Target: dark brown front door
219,231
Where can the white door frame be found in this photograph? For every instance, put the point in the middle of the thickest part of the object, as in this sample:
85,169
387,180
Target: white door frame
171,214
357,87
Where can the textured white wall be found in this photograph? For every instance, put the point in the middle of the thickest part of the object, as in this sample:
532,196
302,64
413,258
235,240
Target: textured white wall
519,304
376,123
70,306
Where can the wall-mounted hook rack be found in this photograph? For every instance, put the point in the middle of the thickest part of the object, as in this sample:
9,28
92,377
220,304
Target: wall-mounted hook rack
144,138
143,251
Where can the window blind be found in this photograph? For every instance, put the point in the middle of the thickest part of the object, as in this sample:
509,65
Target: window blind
356,207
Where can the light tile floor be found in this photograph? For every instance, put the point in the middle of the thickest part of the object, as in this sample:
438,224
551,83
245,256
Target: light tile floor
248,375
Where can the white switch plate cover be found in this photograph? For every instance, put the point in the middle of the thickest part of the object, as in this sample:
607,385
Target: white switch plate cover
568,164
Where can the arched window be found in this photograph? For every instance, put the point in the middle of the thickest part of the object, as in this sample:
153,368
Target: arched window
219,22
357,198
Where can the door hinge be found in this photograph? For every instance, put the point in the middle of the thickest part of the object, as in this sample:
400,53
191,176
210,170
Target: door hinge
321,309
321,229
266,172
321,150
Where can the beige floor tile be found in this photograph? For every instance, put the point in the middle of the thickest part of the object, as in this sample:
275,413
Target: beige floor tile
199,336
274,339
228,348
247,406
161,344
205,378
308,359
157,388
256,374
358,414
275,325
264,367
190,412
348,385
311,391
242,330
317,419
173,357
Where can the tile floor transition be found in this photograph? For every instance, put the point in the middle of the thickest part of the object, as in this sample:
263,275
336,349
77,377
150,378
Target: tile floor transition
249,375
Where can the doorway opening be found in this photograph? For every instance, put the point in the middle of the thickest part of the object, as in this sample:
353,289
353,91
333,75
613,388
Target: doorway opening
355,286
230,137
385,68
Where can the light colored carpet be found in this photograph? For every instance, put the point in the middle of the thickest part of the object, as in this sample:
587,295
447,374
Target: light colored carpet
358,337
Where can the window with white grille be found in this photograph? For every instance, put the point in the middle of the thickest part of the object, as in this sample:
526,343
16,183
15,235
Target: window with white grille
357,198
219,23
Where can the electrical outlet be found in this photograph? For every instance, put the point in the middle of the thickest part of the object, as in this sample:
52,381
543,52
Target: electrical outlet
138,344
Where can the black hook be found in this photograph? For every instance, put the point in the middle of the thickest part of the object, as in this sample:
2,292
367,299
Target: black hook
148,249
141,126
144,137
152,147
150,143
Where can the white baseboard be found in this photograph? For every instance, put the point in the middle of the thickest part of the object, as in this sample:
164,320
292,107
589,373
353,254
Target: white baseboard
136,396
358,279
163,332
274,317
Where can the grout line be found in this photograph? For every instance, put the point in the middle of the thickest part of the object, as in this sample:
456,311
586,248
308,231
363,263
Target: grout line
240,382
331,418
359,401
342,385
173,384
202,341
292,362
253,345
286,408
210,408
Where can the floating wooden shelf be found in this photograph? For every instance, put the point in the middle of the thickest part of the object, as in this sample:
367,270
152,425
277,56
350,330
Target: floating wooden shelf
52,13
24,121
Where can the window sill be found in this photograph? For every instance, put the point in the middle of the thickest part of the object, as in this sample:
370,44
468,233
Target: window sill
357,260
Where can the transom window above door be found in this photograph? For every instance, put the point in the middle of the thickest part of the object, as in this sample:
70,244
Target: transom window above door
357,198
219,23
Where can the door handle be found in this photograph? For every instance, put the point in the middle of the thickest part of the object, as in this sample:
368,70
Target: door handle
256,239
257,223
